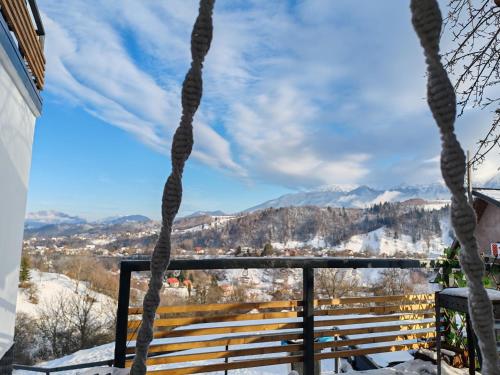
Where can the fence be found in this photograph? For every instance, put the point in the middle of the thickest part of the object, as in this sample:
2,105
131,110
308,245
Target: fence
226,336
29,39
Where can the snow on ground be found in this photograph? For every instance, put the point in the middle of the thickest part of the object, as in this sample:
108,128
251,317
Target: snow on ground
415,367
217,222
53,285
105,352
382,241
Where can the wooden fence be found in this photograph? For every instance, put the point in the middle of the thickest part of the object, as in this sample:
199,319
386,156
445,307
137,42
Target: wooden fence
18,18
191,339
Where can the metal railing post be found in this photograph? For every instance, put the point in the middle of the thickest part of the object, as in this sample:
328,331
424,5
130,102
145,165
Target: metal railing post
308,322
122,316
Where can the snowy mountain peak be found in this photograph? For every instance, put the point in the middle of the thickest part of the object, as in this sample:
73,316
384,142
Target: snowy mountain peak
125,219
493,182
336,188
41,218
359,197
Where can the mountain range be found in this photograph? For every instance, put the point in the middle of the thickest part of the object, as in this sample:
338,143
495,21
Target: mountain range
40,219
356,197
330,196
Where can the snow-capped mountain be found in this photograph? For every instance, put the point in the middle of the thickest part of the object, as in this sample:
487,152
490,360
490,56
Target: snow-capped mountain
42,218
125,219
493,182
357,197
205,213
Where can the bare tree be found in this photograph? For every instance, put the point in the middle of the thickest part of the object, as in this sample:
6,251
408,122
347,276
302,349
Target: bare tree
393,281
337,283
55,327
474,59
73,322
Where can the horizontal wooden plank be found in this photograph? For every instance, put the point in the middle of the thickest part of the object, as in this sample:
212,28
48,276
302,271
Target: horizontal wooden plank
378,329
220,307
372,319
249,339
220,354
220,330
18,18
175,322
410,298
229,366
375,339
240,340
424,307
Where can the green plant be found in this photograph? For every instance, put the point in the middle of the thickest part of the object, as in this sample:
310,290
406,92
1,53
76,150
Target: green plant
451,276
24,272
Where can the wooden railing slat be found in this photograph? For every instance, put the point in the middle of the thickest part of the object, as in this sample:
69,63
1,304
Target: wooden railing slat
17,16
221,354
218,307
175,322
22,31
373,350
409,299
240,340
357,300
376,310
229,366
373,319
221,330
404,328
374,340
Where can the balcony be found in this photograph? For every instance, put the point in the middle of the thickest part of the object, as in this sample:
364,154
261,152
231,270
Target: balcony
24,22
303,332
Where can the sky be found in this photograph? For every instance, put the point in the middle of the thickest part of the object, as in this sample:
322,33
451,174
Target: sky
297,95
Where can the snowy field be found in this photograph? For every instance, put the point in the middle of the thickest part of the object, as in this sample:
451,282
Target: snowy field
105,352
52,286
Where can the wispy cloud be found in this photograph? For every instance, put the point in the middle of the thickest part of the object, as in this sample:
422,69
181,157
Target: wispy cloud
296,93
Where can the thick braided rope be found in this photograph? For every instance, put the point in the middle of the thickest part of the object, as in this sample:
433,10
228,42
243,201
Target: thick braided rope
182,144
427,21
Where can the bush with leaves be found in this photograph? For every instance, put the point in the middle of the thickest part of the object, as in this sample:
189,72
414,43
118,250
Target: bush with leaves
450,275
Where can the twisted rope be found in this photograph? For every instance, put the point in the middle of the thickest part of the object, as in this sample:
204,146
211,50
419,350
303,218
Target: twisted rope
427,21
182,145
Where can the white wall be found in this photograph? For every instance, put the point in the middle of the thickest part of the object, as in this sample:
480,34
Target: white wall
488,228
17,122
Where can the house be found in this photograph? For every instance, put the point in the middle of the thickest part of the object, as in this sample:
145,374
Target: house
21,80
486,204
173,282
487,207
227,289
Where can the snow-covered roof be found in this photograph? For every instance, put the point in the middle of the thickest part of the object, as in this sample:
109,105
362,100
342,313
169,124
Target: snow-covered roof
494,295
489,195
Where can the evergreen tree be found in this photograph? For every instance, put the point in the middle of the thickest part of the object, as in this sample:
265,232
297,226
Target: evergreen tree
24,273
268,250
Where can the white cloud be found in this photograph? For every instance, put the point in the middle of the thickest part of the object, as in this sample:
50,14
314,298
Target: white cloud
302,94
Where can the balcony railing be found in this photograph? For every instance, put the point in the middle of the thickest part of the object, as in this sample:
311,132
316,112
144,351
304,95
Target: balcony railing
25,23
227,336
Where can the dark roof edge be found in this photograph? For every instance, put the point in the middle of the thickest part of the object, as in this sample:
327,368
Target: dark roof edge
8,44
485,197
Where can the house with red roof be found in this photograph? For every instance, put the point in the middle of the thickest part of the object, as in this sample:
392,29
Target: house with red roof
173,282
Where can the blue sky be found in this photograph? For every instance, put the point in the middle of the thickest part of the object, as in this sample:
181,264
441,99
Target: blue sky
297,94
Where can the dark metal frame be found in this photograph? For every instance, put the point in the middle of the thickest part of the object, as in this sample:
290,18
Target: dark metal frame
48,370
306,264
460,304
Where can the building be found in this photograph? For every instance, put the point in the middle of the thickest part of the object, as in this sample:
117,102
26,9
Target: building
487,207
173,282
486,203
22,66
